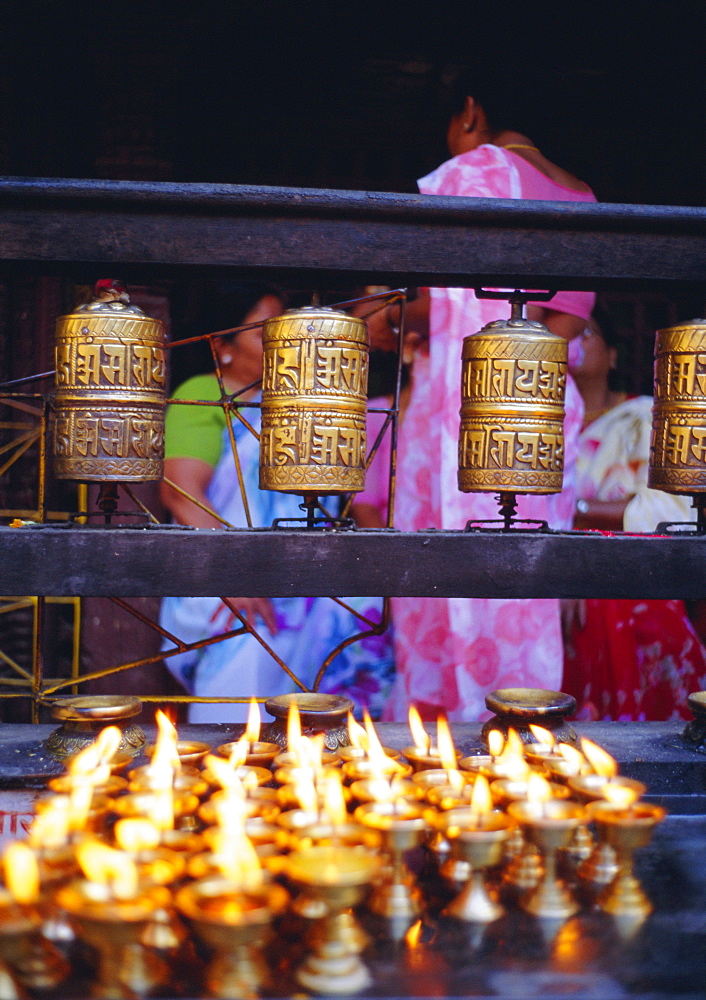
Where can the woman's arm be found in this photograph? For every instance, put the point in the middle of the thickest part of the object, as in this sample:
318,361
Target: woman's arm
193,475
601,515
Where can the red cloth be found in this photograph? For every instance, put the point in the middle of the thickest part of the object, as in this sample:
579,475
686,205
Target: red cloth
634,660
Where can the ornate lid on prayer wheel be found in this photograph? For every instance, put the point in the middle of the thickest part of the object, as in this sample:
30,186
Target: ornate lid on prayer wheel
110,391
512,409
314,398
678,450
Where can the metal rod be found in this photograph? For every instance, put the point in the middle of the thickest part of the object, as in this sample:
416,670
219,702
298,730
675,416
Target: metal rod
231,436
198,503
42,470
37,656
27,378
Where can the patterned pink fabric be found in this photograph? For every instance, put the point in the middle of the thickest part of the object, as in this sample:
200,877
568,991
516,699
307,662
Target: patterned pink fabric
377,476
451,652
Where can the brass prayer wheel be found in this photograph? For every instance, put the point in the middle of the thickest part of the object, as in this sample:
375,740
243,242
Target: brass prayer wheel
110,391
512,408
314,399
678,449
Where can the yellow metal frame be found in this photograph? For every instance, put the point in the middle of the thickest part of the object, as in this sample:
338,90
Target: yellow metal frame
30,681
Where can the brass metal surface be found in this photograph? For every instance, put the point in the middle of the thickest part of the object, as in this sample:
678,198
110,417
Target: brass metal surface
694,734
314,402
678,448
85,716
512,409
105,708
110,394
518,707
529,702
319,713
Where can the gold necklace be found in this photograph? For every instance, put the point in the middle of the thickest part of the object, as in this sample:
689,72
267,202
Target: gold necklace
520,145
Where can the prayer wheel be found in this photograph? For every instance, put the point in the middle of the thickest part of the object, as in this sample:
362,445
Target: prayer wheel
678,450
512,409
314,399
110,391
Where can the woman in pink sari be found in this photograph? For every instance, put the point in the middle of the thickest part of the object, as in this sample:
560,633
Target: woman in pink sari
451,652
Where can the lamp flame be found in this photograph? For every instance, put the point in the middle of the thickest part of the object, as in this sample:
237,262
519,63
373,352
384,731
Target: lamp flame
420,736
294,727
334,803
91,766
237,859
413,935
538,788
380,763
108,743
382,789
599,759
496,742
309,751
304,789
481,799
456,780
512,756
162,811
513,746
621,796
21,872
239,752
165,758
135,835
356,734
542,735
252,726
573,756
80,799
225,774
51,827
109,867
445,743
230,812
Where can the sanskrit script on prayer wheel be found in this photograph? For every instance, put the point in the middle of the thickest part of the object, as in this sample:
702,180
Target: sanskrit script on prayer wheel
512,409
678,450
314,397
110,391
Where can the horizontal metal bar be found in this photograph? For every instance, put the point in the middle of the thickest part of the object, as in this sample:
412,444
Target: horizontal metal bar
162,560
161,228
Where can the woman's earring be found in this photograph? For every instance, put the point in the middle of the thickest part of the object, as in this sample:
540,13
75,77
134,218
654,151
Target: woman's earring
469,126
226,359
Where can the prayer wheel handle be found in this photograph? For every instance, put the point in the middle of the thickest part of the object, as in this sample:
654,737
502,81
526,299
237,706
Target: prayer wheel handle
517,299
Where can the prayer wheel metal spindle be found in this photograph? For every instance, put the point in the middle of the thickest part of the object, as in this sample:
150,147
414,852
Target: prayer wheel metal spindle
512,410
314,400
678,448
110,394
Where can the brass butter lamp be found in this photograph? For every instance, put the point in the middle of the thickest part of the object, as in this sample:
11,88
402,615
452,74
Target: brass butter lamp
337,879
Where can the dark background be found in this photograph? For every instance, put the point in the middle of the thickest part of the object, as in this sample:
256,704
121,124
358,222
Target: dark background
345,95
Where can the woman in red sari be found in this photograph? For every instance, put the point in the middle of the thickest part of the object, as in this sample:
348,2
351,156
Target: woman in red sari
624,659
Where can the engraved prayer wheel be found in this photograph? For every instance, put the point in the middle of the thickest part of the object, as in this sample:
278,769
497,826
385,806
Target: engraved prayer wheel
512,408
314,399
110,391
678,449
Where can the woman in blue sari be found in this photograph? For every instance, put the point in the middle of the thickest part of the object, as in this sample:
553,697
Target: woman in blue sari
299,631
